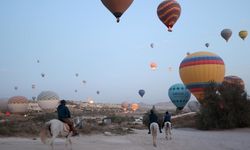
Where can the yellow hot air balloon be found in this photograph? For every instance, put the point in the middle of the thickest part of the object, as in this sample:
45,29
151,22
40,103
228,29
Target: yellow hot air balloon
200,68
243,34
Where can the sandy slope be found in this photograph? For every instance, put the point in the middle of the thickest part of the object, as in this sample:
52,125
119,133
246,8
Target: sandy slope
184,139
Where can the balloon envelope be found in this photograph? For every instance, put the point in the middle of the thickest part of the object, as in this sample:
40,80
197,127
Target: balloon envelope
134,106
243,34
18,104
179,95
207,44
117,7
141,92
153,66
198,69
48,100
169,12
43,75
233,80
152,45
226,34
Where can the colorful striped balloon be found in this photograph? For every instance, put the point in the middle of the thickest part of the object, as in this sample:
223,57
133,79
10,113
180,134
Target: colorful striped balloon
198,69
169,12
234,80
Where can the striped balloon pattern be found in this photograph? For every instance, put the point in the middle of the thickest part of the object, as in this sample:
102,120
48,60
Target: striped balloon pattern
169,12
234,80
198,69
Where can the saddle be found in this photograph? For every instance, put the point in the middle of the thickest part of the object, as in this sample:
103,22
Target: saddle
66,127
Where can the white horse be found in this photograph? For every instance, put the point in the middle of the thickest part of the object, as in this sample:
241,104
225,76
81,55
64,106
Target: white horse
154,127
53,129
168,128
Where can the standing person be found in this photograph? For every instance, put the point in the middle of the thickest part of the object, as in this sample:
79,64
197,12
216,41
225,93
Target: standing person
152,118
167,118
65,116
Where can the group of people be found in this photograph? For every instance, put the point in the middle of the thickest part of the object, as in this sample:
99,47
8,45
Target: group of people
153,118
65,116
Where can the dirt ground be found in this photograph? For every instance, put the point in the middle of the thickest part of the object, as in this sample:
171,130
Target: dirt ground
183,139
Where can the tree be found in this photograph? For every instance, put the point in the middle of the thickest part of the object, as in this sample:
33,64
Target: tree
224,107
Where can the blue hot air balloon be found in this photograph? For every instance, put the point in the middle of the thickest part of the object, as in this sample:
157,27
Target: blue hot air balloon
141,92
179,95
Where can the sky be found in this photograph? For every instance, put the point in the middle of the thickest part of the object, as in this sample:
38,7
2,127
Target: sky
70,37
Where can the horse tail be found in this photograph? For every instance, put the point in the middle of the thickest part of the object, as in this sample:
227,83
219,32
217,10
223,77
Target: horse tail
167,124
154,128
45,133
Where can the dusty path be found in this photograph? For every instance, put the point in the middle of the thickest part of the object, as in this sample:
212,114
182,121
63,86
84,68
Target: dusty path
184,139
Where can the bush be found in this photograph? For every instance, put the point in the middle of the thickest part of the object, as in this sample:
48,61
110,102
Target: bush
120,119
224,108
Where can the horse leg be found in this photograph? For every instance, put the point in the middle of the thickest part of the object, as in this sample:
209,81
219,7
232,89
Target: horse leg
52,141
154,140
68,140
70,143
166,132
170,133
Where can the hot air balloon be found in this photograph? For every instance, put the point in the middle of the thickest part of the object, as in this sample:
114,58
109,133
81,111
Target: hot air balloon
233,80
83,81
33,86
75,91
243,34
48,100
117,7
98,92
16,87
38,61
207,44
179,95
141,92
152,45
226,34
18,104
134,106
76,74
198,69
169,12
43,75
153,66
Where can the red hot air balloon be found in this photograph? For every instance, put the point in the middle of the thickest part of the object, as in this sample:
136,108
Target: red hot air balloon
117,7
169,12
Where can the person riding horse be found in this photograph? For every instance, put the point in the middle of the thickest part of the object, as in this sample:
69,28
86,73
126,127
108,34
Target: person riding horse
167,118
65,116
152,118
